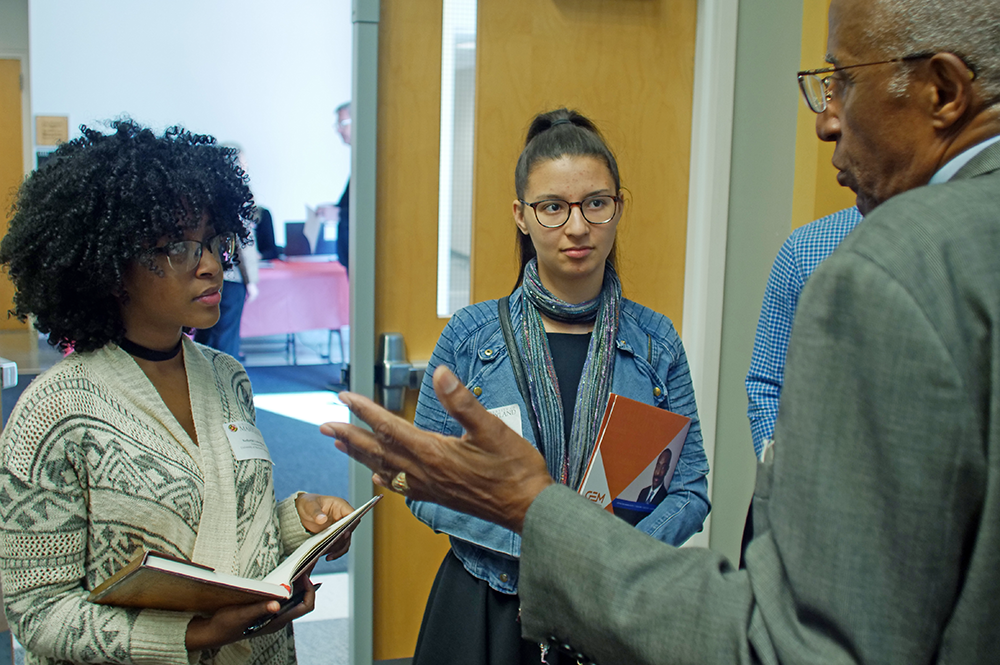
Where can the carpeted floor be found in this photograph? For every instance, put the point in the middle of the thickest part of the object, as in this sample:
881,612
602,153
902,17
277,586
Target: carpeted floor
304,459
323,642
11,394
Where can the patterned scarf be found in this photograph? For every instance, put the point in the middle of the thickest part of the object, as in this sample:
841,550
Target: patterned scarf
567,460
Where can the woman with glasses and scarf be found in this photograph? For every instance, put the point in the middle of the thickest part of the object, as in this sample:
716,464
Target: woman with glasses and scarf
578,340
116,246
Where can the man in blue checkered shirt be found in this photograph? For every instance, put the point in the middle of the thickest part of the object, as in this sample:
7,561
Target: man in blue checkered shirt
798,257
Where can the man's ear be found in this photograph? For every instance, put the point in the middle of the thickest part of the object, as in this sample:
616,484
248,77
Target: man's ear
952,89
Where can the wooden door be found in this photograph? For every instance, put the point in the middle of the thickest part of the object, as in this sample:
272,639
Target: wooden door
11,167
627,65
406,553
11,173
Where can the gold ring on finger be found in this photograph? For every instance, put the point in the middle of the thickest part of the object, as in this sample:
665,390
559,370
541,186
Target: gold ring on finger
399,483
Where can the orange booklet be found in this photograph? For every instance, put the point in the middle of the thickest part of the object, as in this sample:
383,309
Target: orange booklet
637,449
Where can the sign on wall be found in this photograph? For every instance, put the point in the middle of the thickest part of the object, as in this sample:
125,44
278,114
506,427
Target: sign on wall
51,129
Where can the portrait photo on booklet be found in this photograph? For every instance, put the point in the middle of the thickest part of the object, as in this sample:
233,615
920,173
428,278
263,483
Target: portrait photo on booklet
637,450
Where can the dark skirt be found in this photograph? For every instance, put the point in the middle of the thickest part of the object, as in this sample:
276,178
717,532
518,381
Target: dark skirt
467,622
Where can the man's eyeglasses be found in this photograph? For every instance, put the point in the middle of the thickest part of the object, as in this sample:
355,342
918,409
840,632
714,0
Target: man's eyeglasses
817,92
185,255
553,213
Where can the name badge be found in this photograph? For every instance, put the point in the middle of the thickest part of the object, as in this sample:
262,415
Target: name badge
510,415
247,441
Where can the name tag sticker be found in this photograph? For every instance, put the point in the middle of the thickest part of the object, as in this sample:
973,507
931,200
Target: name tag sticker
510,415
247,441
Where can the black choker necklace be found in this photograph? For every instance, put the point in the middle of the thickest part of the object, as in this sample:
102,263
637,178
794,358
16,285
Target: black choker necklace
146,353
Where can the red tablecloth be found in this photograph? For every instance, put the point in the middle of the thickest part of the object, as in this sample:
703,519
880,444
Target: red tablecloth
297,296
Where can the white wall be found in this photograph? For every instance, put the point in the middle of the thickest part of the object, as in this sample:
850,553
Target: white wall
264,74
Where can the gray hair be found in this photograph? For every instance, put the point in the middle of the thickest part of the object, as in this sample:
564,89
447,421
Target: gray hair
968,28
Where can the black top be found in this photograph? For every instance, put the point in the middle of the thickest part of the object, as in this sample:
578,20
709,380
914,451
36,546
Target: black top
569,352
342,225
324,246
264,235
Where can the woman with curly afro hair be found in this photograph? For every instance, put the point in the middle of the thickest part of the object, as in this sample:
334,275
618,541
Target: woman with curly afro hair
116,245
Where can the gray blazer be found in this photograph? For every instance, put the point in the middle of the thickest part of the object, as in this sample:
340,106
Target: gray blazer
878,508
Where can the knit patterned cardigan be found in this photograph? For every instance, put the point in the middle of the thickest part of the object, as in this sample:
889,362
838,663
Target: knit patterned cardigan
95,468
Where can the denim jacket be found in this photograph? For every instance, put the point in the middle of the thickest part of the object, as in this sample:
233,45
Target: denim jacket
650,367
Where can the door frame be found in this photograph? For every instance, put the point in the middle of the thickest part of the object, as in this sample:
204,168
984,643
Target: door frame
708,214
361,276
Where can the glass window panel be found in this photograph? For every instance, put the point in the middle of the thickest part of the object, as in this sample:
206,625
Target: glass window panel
458,92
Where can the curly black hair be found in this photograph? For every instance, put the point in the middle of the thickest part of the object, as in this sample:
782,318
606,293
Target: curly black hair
99,203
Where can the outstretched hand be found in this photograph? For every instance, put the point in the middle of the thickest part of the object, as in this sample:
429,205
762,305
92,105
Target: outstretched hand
489,472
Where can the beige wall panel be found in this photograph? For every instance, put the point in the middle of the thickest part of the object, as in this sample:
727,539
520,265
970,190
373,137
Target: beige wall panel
830,195
407,553
817,192
629,67
11,169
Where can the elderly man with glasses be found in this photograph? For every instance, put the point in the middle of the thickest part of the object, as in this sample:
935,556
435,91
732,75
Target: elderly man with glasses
878,508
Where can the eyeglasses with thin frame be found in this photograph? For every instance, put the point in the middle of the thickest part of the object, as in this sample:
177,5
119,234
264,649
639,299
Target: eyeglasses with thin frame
185,255
817,92
553,213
